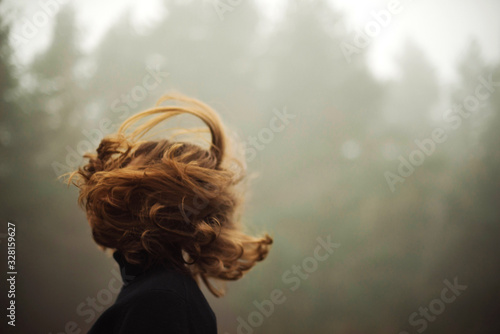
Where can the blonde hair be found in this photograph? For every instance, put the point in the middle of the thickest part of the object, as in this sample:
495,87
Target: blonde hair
142,197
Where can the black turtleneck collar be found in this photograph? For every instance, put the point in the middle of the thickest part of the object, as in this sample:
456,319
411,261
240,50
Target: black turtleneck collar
128,270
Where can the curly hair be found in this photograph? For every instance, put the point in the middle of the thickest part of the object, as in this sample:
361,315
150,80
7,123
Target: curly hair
170,201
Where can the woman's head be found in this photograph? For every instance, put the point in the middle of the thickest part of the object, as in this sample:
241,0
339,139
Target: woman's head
167,200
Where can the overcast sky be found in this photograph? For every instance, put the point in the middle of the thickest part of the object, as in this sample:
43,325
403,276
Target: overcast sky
442,28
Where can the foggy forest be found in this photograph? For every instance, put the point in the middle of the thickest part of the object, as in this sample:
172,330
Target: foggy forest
398,174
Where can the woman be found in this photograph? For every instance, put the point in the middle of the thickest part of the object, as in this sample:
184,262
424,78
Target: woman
169,211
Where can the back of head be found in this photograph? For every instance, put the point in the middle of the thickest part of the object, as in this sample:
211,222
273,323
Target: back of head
170,201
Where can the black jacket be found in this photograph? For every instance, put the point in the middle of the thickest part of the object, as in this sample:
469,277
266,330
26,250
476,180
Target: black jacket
157,300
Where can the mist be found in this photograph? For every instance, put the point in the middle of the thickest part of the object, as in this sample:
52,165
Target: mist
379,185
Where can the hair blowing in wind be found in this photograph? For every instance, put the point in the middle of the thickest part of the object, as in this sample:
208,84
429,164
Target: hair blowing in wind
170,201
